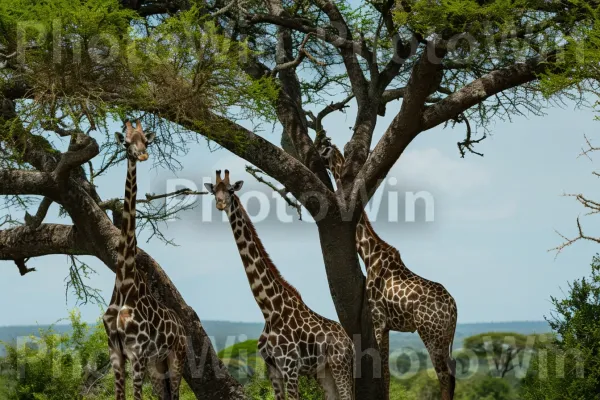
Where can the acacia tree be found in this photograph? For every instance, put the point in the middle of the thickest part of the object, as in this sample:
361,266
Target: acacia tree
503,348
294,62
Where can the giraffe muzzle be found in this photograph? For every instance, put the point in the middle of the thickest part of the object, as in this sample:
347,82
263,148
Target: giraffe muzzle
143,157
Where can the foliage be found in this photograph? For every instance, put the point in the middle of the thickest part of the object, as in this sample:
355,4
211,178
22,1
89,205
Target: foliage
485,387
504,348
53,366
72,366
570,367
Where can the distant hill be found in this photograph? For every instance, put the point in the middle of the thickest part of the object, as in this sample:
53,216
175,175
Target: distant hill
225,334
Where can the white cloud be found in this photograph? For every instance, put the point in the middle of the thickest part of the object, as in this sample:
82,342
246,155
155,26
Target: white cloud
458,185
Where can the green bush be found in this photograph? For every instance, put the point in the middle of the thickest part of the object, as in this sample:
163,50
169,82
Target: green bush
569,368
72,366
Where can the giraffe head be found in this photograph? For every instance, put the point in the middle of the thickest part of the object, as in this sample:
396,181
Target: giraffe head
223,190
325,149
135,141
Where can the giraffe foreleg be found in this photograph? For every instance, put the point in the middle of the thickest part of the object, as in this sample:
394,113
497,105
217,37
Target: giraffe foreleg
384,348
382,336
341,365
290,373
176,362
444,365
277,381
159,378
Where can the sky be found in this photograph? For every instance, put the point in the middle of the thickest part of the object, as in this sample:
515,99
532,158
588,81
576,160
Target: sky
486,236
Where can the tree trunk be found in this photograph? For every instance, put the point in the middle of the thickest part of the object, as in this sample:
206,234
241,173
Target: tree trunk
347,285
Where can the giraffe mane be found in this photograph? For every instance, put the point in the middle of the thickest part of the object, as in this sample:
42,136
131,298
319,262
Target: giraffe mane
265,256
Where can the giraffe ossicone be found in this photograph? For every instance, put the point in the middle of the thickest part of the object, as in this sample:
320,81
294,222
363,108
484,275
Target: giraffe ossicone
399,299
296,340
139,328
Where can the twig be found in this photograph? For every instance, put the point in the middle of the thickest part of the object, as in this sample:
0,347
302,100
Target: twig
180,192
23,269
282,192
34,221
568,242
302,54
468,142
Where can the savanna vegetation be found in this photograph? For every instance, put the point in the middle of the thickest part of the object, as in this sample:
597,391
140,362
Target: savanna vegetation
492,366
222,70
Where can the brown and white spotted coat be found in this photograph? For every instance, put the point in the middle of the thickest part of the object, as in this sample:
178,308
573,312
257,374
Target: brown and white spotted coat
296,340
401,300
139,328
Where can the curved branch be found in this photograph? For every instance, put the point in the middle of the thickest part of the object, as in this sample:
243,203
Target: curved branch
81,150
25,242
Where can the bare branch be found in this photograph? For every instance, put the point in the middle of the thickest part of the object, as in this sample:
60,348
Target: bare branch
302,54
282,192
23,269
568,242
180,192
318,122
590,149
468,143
34,221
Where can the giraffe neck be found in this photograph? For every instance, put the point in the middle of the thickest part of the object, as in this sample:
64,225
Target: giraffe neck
267,284
366,238
128,242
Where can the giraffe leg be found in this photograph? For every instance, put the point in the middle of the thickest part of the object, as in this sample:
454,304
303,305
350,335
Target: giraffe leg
291,382
327,382
445,366
138,364
382,335
158,376
384,348
341,367
276,379
117,360
175,361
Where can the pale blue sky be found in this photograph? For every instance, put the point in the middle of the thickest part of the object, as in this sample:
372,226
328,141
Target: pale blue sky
495,219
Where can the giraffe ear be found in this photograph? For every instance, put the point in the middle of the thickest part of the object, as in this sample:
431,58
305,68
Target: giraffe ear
120,138
236,186
210,187
150,136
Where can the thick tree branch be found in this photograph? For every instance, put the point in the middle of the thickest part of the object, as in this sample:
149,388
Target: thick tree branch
405,126
360,86
481,89
24,242
81,150
278,164
19,182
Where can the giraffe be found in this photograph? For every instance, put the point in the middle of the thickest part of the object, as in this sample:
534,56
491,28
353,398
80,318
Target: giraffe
139,328
295,340
401,300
